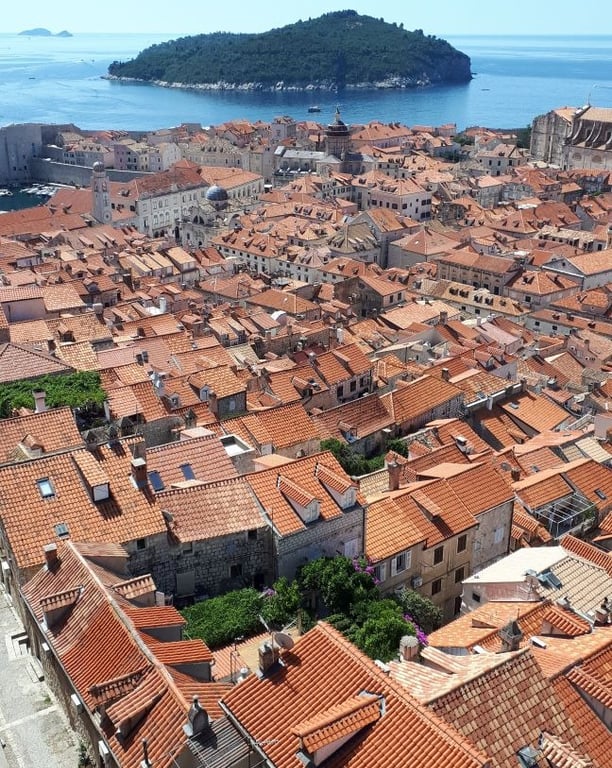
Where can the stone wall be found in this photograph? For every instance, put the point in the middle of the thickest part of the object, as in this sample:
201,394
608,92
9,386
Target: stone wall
49,171
495,523
208,564
324,537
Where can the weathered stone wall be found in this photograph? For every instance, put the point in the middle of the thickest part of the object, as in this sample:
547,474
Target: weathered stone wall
324,537
62,173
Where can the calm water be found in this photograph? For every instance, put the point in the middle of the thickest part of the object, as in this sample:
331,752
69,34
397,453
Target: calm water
57,80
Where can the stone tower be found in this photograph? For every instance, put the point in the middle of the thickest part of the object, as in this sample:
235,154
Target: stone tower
337,137
101,203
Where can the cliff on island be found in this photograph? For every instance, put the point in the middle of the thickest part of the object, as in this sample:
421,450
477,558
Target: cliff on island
335,51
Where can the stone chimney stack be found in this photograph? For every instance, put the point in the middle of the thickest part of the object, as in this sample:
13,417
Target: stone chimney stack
394,469
409,648
40,406
511,636
51,558
445,374
139,472
268,656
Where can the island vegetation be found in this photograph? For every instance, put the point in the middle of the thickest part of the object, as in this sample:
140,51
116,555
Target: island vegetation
337,50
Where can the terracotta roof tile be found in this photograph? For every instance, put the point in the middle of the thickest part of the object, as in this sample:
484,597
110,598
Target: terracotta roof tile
52,430
306,475
338,722
128,514
322,672
210,510
20,362
505,709
594,734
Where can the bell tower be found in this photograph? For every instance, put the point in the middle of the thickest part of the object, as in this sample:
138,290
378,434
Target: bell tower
337,137
101,204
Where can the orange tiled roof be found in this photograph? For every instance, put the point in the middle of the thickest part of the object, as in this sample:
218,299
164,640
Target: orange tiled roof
323,671
52,430
507,708
304,474
30,518
419,397
216,509
108,664
337,722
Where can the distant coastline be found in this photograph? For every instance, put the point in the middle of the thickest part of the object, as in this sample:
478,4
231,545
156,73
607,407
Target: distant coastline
42,32
391,83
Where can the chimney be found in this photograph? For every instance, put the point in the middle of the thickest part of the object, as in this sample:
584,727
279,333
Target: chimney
197,719
445,374
40,406
268,656
443,317
139,472
395,470
408,648
51,558
511,636
515,474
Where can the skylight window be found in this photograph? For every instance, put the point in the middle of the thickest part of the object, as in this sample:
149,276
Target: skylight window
61,530
156,481
45,487
600,494
187,471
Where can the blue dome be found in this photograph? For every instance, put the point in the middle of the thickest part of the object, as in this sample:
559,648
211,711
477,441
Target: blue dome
216,194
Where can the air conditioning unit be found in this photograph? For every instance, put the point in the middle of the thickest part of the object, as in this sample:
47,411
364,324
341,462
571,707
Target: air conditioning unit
416,582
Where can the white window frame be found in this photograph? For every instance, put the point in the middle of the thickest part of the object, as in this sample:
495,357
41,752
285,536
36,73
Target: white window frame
380,571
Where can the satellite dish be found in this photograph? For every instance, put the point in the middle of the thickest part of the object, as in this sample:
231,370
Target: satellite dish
283,640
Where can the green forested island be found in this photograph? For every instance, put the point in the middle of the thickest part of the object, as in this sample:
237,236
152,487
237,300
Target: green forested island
337,50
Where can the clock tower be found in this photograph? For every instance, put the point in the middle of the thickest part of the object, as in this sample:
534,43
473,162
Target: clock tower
101,210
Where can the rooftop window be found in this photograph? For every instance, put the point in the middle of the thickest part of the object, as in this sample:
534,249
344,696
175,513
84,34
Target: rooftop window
156,481
187,471
45,487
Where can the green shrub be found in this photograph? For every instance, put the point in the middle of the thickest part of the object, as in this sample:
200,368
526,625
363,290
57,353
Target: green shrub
81,389
219,620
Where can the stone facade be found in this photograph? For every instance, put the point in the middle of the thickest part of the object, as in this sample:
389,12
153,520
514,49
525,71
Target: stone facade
548,133
492,538
342,535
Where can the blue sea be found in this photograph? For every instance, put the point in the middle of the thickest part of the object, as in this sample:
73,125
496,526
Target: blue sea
59,80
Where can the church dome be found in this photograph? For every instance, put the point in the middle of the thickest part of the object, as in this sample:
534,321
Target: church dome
98,167
216,194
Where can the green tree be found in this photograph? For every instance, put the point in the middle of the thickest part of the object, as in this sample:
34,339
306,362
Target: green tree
399,446
77,390
380,633
427,615
336,584
281,603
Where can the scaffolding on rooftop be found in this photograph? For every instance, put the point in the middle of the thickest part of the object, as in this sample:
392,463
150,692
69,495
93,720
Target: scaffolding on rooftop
565,515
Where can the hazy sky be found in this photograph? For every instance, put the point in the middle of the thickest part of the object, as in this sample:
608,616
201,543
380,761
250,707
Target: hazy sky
436,17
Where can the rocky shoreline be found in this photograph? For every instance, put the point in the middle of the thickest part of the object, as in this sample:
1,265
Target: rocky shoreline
391,83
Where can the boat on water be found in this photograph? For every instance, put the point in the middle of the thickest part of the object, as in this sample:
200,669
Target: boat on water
5,193
314,108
